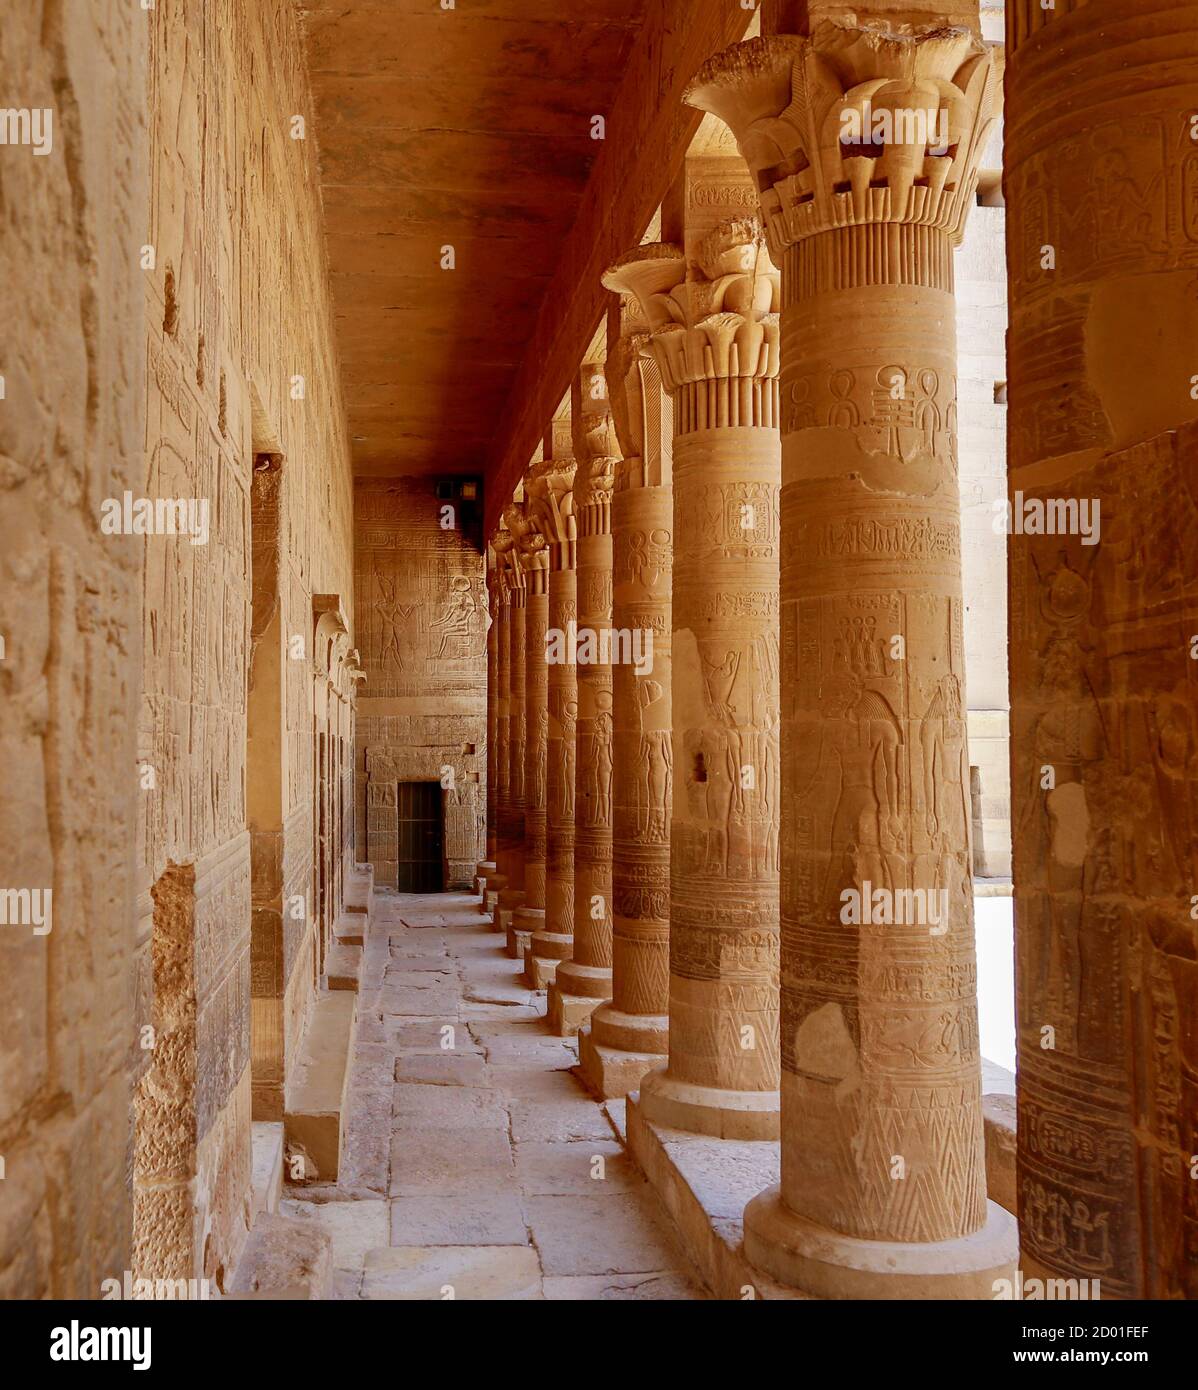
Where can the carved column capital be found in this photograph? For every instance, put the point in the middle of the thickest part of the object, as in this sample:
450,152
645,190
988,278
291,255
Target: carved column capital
549,488
643,428
596,448
855,126
506,562
716,317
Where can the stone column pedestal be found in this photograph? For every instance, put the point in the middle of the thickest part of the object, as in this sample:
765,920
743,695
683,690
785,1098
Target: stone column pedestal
883,1185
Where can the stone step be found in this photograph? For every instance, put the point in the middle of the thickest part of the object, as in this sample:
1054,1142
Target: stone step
350,928
284,1259
266,1149
359,890
315,1100
342,966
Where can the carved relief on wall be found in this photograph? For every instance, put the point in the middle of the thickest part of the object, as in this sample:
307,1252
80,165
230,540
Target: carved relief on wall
421,594
1105,812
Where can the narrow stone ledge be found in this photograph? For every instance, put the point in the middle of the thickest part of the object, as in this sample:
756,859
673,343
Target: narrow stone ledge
350,928
315,1099
266,1167
704,1184
998,1115
284,1259
359,889
343,966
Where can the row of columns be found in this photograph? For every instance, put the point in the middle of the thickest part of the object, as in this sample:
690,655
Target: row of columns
792,543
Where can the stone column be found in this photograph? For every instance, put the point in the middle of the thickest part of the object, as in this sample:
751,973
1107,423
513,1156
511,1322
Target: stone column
1102,252
551,500
511,811
501,543
530,915
629,1036
490,880
581,984
715,339
865,145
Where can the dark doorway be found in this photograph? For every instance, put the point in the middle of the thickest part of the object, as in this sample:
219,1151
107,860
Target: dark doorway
419,814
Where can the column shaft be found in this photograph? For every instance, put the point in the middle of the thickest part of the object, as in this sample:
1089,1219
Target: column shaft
583,982
502,725
874,757
518,639
722,1076
530,916
546,948
630,1036
1102,253
489,880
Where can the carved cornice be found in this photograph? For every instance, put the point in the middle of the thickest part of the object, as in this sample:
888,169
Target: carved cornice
789,99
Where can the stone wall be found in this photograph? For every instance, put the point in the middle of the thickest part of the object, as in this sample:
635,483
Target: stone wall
421,592
70,416
241,363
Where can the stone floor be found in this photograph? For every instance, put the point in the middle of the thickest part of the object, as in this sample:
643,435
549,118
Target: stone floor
474,1164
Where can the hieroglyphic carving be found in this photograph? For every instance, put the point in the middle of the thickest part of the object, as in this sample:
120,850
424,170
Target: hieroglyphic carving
422,591
1106,949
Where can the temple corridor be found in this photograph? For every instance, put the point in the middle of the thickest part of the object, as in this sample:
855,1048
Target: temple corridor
475,1164
599,654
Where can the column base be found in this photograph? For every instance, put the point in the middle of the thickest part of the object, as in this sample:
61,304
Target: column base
538,970
544,953
710,1110
488,882
612,1072
509,900
819,1261
525,921
511,866
591,982
621,1032
567,1012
